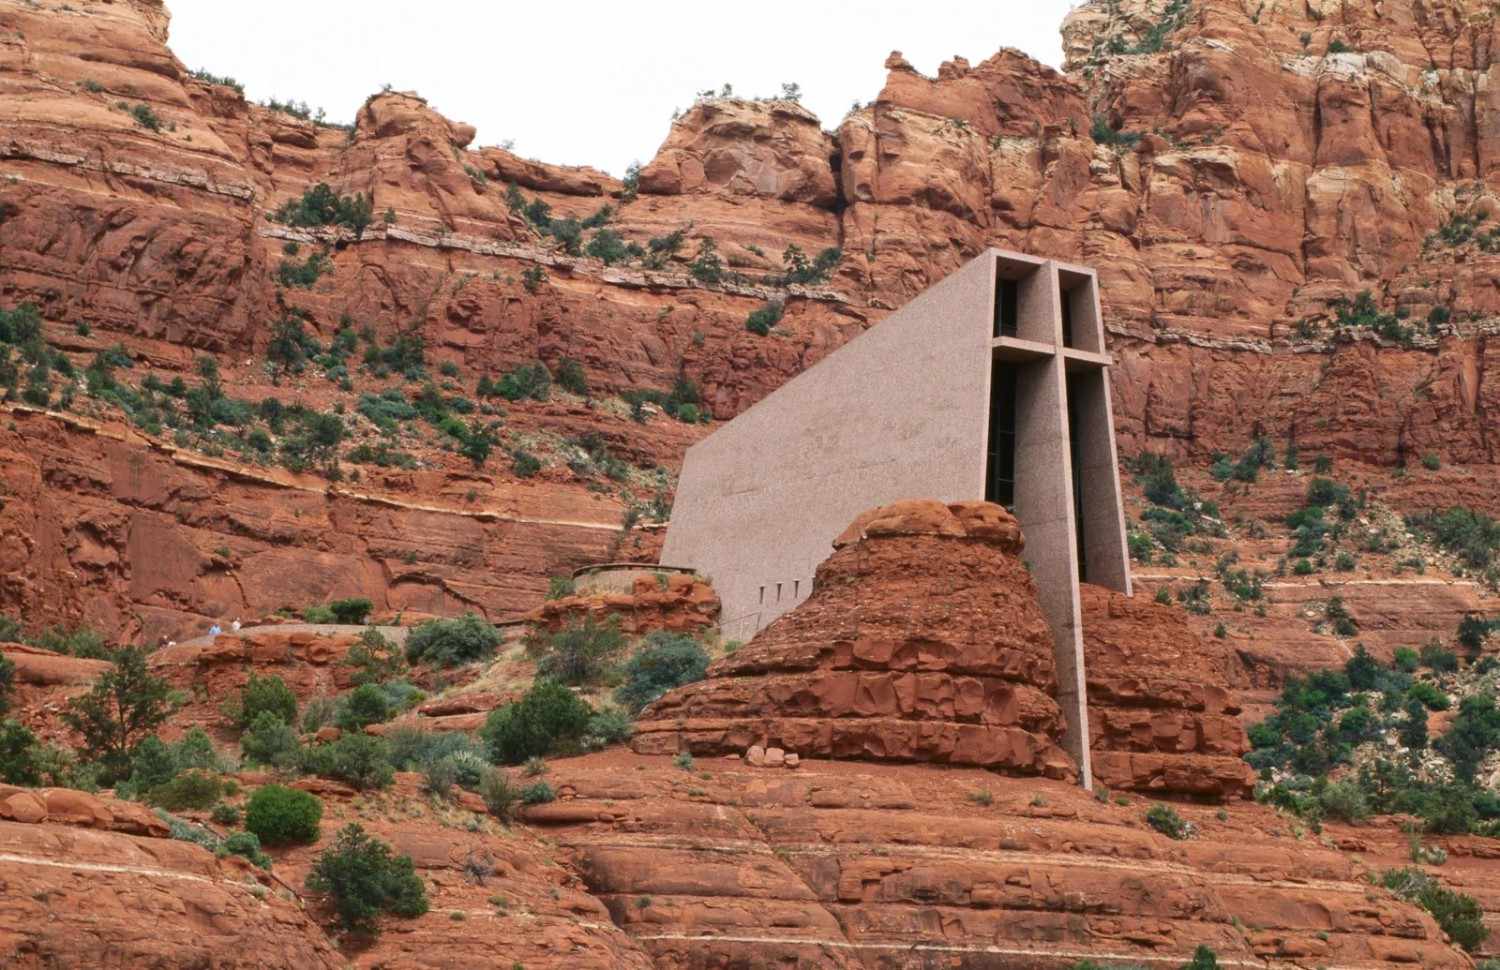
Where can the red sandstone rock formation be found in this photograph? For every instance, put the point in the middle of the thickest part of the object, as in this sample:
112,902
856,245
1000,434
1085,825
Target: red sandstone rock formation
867,866
684,604
1271,175
95,882
1162,716
922,641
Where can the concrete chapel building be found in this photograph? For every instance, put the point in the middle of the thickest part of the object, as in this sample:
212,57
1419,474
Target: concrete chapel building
993,384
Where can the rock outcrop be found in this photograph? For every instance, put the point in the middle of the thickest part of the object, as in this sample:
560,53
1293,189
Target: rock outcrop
1162,716
677,602
875,866
922,641
92,881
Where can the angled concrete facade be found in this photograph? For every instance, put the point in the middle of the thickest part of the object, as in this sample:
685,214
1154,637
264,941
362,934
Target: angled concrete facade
992,384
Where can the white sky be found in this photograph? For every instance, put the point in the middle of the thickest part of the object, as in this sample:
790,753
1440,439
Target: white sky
588,82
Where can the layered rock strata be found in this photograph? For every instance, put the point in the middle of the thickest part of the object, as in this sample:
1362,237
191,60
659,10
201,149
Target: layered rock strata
1162,716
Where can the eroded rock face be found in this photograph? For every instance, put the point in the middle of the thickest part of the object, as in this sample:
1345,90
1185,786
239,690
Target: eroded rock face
1163,718
90,881
874,866
922,641
677,602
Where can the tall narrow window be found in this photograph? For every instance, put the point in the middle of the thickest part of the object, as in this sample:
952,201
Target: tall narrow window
1000,467
1067,314
1075,454
1007,308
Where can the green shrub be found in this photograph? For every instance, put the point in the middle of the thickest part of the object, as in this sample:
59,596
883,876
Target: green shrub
374,658
1472,536
446,643
365,881
1429,695
412,749
500,796
227,814
246,844
609,725
7,680
190,789
1345,801
538,794
546,718
1104,133
366,704
321,206
1474,733
145,117
1473,631
800,271
1165,820
524,463
664,661
1458,915
707,267
352,611
265,694
761,320
75,642
570,377
154,763
291,273
270,741
1406,659
1435,657
18,755
1431,462
361,760
578,654
529,381
123,707
283,816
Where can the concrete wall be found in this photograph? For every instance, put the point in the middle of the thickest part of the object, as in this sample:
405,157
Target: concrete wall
899,412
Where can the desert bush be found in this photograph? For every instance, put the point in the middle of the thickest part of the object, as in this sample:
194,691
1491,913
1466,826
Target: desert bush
578,654
351,611
123,707
1458,915
248,845
374,658
366,704
321,206
260,695
666,660
283,816
359,759
546,718
446,643
1344,801
364,881
528,381
609,725
761,320
270,741
500,796
1165,820
18,755
190,789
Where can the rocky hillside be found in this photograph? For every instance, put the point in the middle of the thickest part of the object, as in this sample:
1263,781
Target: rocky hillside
1241,174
